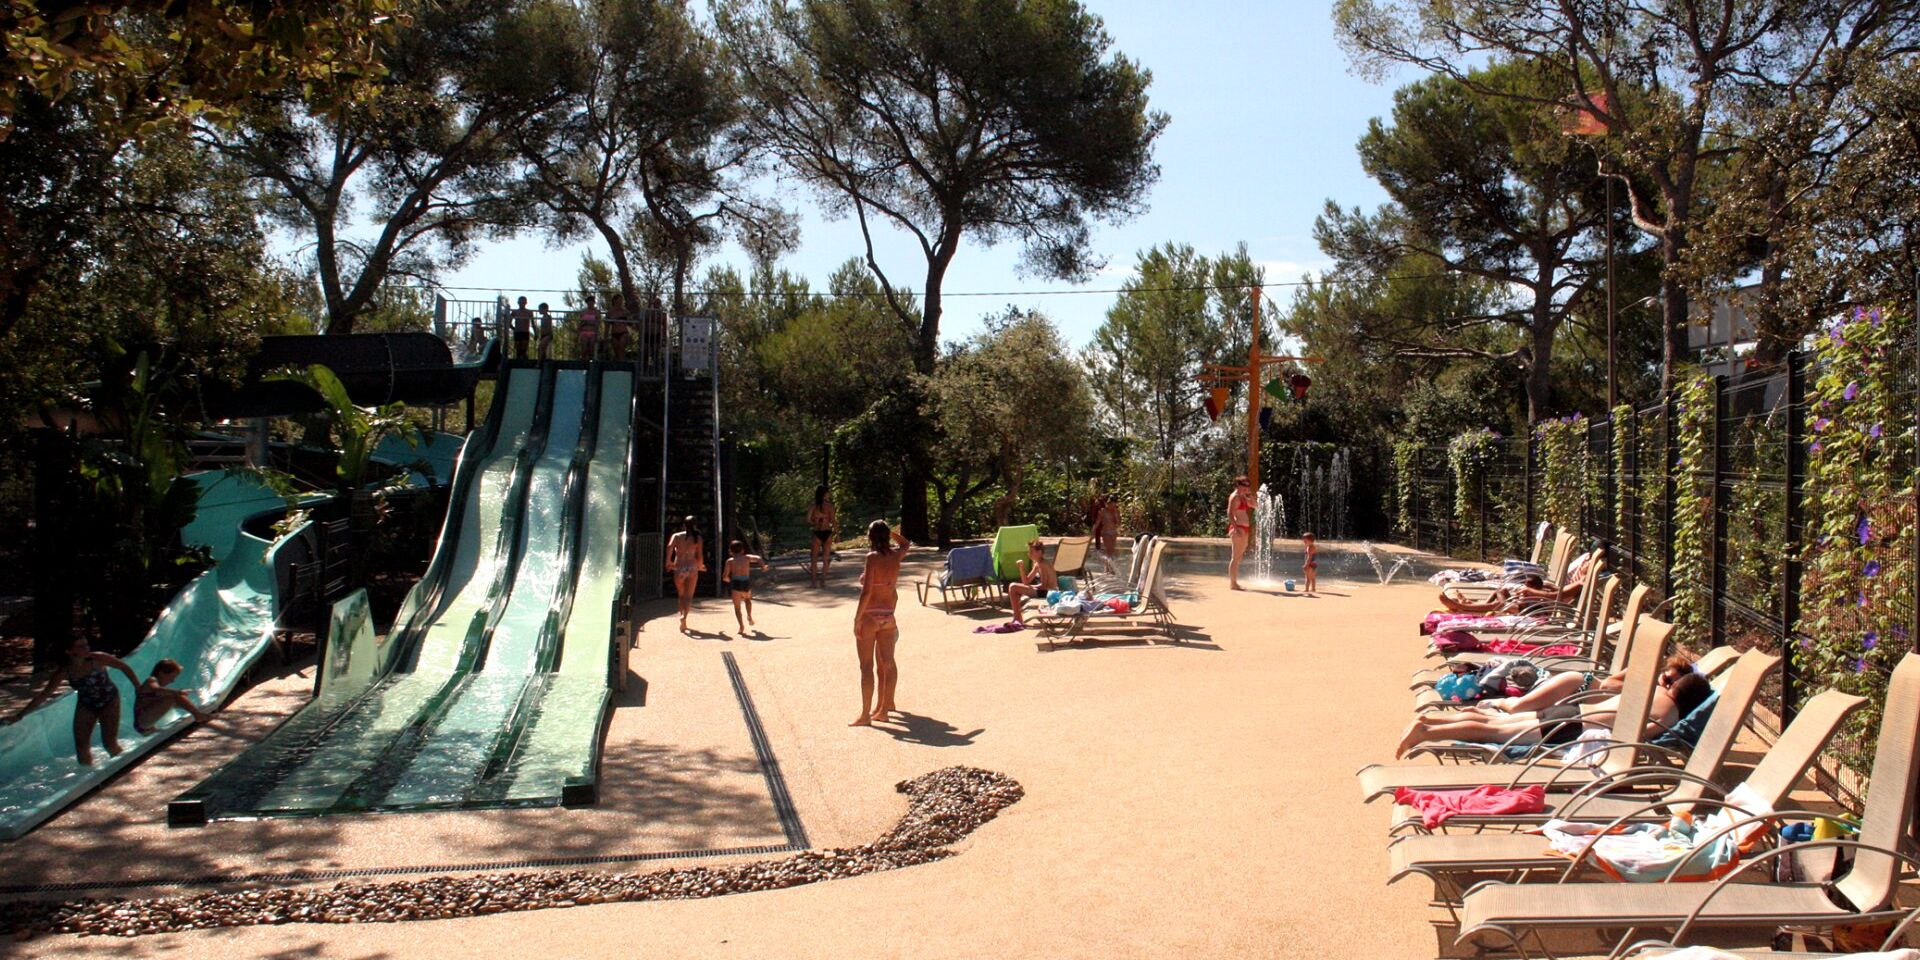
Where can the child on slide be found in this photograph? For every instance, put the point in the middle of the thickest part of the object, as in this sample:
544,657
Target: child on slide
739,571
155,698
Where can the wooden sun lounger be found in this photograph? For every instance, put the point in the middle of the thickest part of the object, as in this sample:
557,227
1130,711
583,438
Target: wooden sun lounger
1453,861
1648,642
1152,608
1511,916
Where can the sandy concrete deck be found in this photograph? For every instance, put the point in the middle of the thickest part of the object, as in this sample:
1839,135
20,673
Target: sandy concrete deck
1191,799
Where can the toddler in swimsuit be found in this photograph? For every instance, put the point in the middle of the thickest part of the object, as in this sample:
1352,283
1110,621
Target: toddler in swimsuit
739,571
1310,570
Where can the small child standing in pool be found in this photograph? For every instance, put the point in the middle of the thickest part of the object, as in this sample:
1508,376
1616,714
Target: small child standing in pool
1310,569
739,572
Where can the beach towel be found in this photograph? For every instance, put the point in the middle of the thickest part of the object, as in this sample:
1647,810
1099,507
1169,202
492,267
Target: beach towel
1445,620
1438,806
1459,641
1008,627
1649,852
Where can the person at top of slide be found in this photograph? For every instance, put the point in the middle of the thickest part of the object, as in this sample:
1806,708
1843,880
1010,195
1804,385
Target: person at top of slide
587,328
874,630
1239,527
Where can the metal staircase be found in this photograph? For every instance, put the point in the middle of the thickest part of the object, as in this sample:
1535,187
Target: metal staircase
693,486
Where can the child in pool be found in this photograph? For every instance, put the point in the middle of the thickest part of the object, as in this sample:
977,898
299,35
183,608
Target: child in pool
155,698
1310,570
739,571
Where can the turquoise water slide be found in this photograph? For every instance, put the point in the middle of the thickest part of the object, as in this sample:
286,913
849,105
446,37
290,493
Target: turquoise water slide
216,627
438,715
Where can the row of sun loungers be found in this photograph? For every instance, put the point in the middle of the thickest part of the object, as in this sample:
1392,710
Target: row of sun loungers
1500,887
976,575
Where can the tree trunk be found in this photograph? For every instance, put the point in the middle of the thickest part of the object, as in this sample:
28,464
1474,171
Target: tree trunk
1673,321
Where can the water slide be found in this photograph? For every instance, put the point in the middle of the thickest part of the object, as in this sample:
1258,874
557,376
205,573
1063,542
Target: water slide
216,627
472,699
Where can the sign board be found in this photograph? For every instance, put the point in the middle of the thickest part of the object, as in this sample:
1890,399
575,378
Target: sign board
696,343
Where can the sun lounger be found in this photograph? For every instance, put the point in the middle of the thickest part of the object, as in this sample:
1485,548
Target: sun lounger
1148,605
969,573
1508,916
1009,548
1648,643
1556,567
1070,556
1596,639
1454,860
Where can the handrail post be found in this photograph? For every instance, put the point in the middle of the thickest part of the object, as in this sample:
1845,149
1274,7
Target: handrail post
1796,401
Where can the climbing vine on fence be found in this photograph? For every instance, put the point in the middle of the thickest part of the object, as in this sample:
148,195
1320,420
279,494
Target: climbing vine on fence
1626,430
1692,508
1858,587
1470,455
1564,473
1403,481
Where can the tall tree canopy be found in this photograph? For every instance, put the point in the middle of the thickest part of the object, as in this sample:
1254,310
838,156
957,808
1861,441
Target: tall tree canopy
1658,76
952,120
427,161
1484,186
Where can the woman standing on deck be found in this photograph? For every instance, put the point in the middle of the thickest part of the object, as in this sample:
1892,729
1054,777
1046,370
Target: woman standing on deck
687,558
1239,526
823,522
874,629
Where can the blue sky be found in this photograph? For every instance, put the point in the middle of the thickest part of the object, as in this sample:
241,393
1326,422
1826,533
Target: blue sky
1264,118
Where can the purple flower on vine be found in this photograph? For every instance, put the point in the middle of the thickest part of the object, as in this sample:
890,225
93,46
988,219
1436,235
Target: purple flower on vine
1806,643
1865,531
1813,447
1871,640
1874,431
1899,632
1872,569
1820,424
1860,599
1859,666
1852,391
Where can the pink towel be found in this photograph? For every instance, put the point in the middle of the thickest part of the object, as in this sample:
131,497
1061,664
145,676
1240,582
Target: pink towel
1459,641
1008,627
1437,806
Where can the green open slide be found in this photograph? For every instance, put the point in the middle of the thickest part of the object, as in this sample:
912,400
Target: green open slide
216,627
491,687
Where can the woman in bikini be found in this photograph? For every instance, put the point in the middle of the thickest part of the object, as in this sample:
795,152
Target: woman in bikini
587,330
874,629
1679,690
823,522
1239,527
687,558
98,701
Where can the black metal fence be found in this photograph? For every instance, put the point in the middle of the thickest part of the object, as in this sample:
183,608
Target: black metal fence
1752,491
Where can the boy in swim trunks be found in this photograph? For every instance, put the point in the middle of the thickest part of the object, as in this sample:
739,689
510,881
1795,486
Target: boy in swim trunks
155,698
1037,576
739,573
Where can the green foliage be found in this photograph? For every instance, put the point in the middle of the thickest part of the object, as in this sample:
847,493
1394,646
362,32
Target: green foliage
135,499
1469,455
1007,401
160,62
1693,505
1858,581
1404,489
1625,424
1565,471
359,429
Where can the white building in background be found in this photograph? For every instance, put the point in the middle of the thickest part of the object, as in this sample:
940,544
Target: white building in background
1719,329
